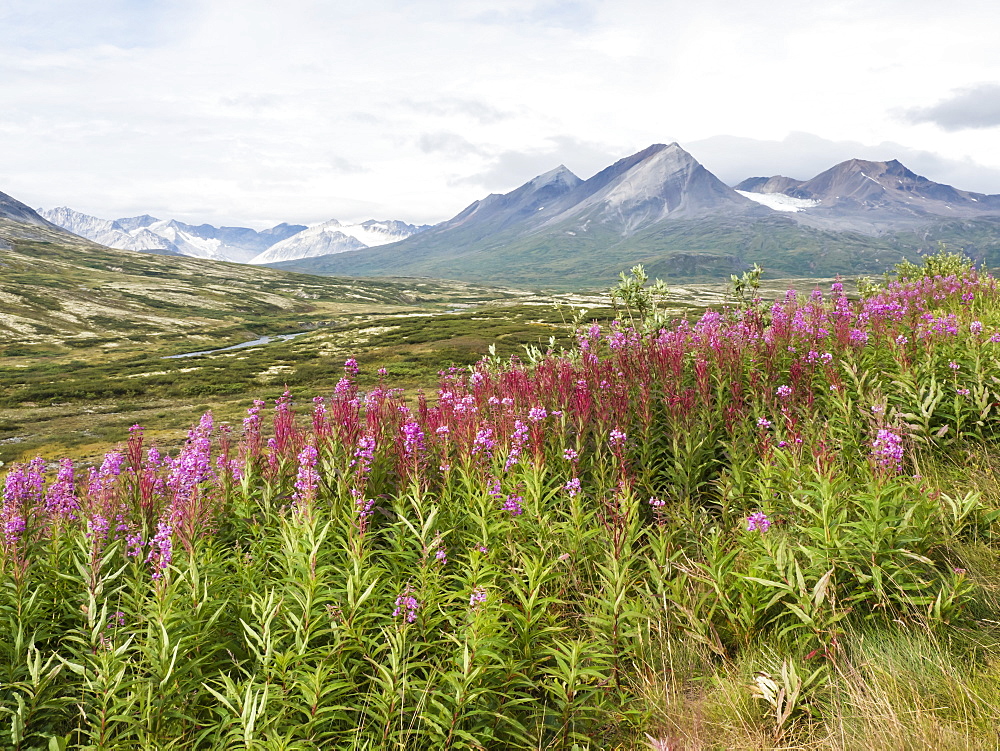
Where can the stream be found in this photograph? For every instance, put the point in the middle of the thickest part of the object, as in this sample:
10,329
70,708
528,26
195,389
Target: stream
242,345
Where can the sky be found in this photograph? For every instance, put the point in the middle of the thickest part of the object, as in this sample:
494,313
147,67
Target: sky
250,113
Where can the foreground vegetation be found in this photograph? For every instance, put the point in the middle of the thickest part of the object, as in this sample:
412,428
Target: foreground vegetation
774,526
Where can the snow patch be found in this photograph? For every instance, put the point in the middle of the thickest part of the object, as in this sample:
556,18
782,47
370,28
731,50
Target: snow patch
779,201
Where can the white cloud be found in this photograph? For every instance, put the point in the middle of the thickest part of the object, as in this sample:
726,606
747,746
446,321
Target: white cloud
244,111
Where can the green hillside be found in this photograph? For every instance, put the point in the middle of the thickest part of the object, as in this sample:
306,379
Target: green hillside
693,250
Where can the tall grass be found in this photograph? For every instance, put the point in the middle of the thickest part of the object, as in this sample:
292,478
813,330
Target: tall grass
761,529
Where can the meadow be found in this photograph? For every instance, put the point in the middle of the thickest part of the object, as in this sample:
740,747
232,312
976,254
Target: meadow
772,525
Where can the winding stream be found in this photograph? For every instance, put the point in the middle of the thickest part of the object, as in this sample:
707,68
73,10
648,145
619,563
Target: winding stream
242,345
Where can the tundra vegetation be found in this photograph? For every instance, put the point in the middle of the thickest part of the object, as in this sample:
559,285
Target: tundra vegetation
773,526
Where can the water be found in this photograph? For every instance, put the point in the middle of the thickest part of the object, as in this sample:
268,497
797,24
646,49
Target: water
243,345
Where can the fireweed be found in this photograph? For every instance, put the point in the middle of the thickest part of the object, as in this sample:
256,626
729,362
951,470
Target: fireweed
601,497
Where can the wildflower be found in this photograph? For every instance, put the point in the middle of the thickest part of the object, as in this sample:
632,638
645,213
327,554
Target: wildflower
537,414
758,521
763,423
407,606
513,505
783,392
161,550
573,486
441,555
351,367
954,365
307,478
976,327
962,392
657,502
616,438
902,340
887,448
482,549
571,455
477,598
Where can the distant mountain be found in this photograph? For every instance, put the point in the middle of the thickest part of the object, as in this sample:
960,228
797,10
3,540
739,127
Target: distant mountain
169,237
19,221
333,237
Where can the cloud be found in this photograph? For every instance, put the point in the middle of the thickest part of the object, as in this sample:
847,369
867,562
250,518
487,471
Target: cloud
804,155
510,168
975,107
450,144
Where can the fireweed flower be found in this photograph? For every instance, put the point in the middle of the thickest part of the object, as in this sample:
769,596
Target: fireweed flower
161,550
657,503
351,367
887,449
513,505
763,423
976,327
758,521
783,392
537,414
573,487
477,598
406,606
307,479
617,438
570,455
441,555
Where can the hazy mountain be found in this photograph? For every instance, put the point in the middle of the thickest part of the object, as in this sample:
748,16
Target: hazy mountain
333,237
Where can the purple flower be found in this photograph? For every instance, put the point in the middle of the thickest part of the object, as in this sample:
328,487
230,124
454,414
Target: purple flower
513,505
783,392
573,486
351,367
887,448
477,598
758,521
407,606
537,414
617,438
484,442
161,550
657,502
307,479
763,423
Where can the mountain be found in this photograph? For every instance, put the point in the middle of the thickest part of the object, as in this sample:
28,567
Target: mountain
169,237
111,234
19,221
558,228
333,237
875,197
662,208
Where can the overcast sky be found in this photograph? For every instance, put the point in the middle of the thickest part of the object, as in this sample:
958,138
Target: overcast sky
242,112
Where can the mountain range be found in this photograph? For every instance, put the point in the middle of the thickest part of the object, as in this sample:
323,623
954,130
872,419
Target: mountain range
659,207
240,244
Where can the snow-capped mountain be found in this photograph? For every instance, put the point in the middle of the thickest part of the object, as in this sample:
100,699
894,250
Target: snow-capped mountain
333,237
113,234
151,235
